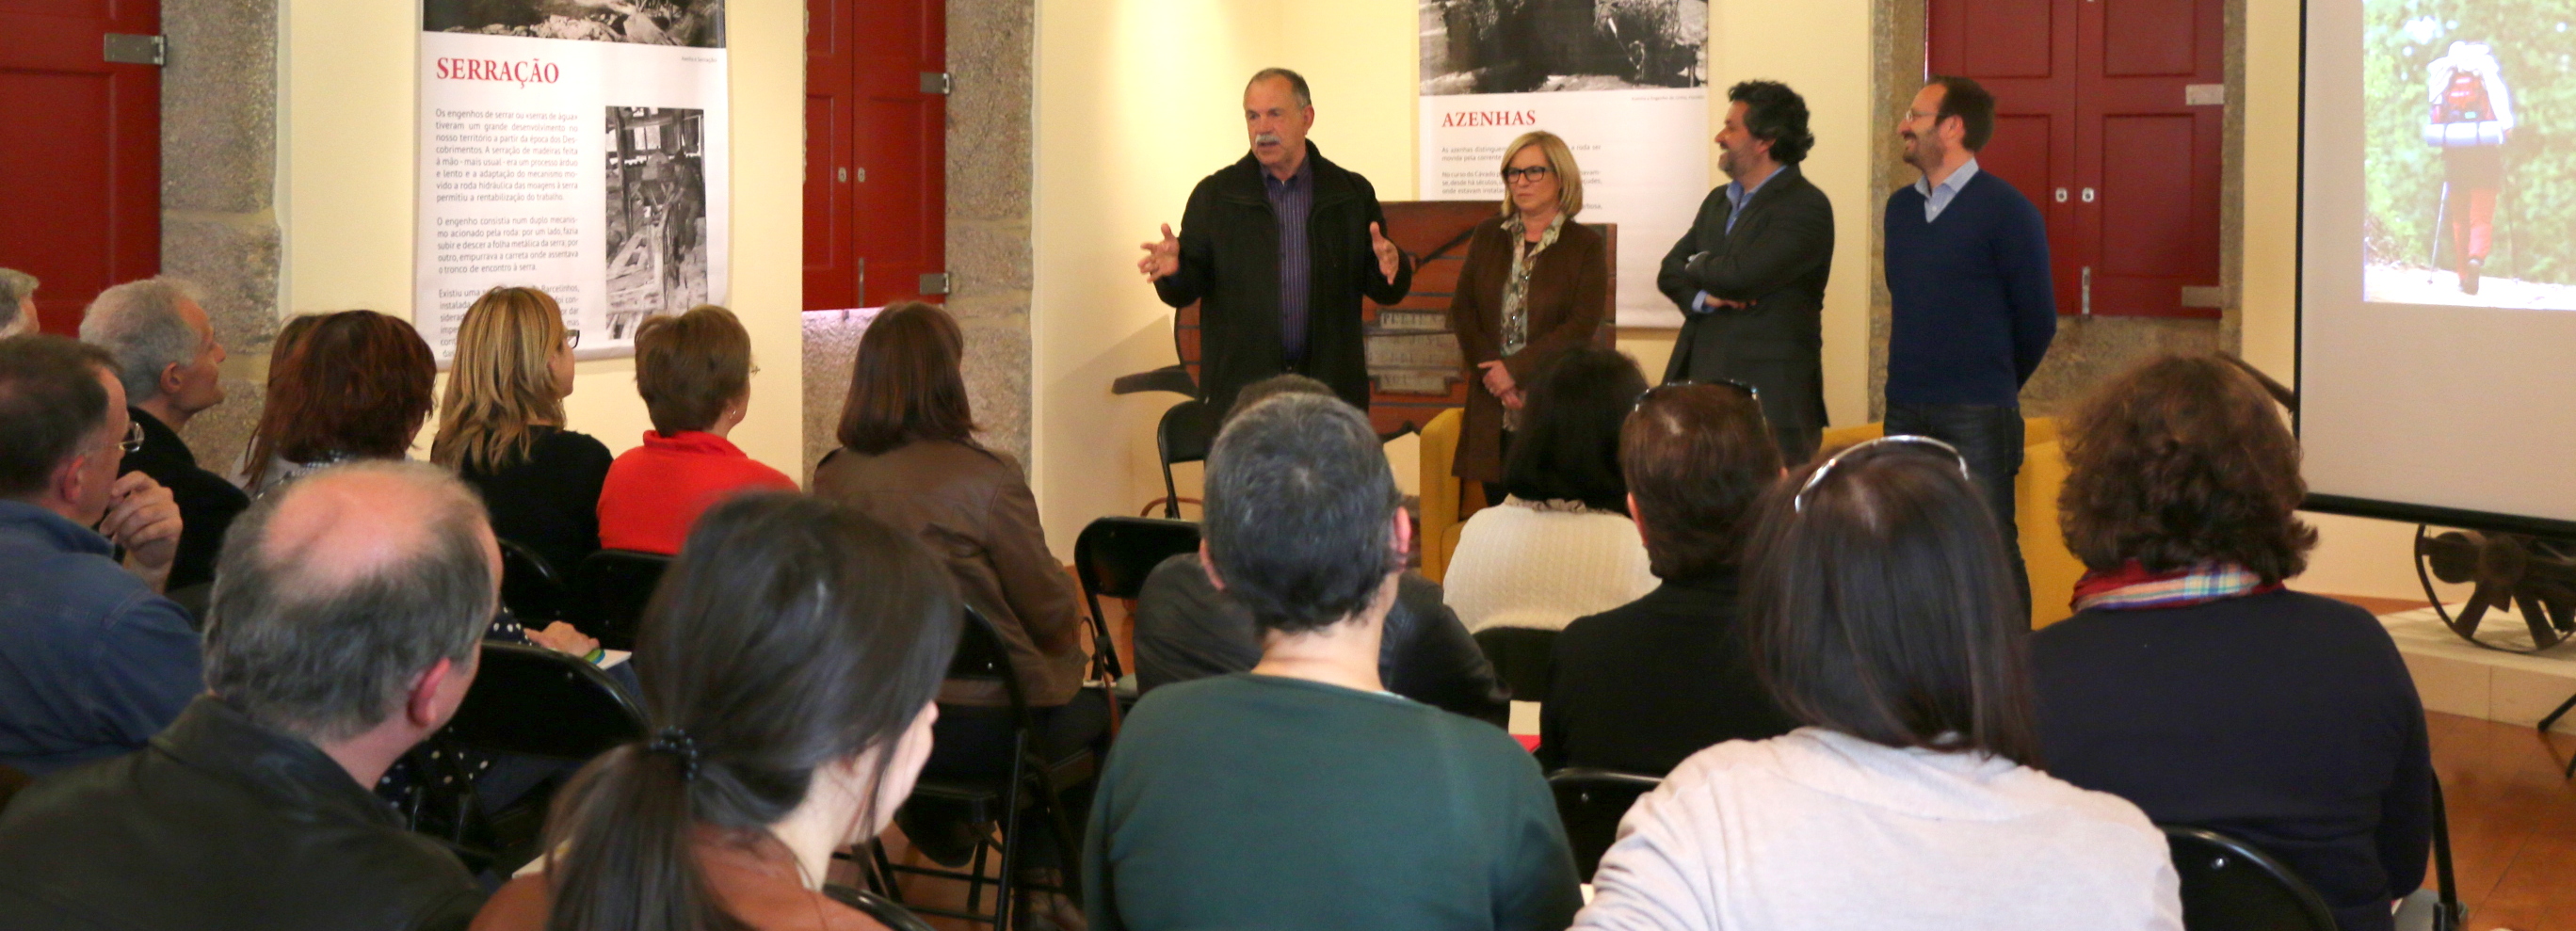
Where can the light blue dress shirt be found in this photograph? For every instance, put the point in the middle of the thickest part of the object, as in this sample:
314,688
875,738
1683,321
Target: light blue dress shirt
1937,198
1736,196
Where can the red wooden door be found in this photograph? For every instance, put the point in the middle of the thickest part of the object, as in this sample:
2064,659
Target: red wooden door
81,166
2093,125
876,119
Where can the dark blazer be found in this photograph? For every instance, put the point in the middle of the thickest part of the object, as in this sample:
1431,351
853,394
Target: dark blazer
1778,257
2283,718
974,510
207,503
1230,265
1641,687
1186,629
1569,297
221,823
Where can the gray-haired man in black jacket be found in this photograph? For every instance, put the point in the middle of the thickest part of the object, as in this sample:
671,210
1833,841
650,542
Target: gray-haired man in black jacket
1750,275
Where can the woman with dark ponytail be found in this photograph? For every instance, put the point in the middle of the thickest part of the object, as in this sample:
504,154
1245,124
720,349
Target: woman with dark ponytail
789,663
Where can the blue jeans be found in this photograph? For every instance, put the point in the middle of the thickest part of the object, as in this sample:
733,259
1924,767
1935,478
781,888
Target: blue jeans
1990,438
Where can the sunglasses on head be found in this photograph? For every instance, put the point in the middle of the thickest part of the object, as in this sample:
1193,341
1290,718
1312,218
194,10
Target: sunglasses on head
1898,441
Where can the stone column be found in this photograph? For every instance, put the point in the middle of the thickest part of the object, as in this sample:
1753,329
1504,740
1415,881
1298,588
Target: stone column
218,193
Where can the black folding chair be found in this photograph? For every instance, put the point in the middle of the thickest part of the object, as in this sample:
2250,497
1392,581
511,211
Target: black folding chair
1035,782
526,701
885,911
1112,558
530,586
1186,432
1591,802
2228,885
1523,657
612,587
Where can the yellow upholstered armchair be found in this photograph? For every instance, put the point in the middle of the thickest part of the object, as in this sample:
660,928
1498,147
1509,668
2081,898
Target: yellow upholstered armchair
2053,569
1444,512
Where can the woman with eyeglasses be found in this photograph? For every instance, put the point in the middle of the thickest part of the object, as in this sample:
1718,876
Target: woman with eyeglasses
1536,284
501,426
1881,618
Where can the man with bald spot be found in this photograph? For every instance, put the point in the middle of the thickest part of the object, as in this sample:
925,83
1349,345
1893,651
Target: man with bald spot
345,628
93,660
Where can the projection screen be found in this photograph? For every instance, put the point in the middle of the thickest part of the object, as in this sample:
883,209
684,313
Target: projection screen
2437,311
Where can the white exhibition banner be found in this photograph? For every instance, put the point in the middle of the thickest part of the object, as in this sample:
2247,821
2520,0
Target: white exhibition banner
593,166
1624,84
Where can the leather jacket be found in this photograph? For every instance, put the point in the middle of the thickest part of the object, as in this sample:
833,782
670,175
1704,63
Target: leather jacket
221,823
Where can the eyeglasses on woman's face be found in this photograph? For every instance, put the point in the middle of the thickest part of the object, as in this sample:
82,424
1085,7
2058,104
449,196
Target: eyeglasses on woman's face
572,339
1532,174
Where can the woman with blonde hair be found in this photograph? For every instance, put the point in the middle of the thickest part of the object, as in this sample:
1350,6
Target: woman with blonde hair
501,426
1536,284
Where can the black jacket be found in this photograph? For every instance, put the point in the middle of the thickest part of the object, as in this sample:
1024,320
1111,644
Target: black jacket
1642,686
548,501
2285,719
207,503
1186,629
220,823
1230,265
1777,257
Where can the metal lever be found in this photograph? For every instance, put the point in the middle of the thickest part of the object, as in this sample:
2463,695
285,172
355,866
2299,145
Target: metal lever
2088,290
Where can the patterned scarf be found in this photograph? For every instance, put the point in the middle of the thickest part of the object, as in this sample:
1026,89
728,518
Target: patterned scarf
1516,287
2133,588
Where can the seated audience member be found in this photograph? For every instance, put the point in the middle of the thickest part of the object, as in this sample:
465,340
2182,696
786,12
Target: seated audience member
2190,682
1881,616
1561,545
348,611
17,302
501,427
909,459
93,661
166,350
1187,629
1302,794
790,666
353,385
1641,687
694,371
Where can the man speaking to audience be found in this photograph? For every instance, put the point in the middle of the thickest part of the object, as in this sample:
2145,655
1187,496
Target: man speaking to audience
1277,249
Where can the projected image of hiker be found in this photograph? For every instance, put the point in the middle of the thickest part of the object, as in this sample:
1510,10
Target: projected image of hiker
2469,186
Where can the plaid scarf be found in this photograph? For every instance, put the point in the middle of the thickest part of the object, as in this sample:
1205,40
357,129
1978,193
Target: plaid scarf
2133,588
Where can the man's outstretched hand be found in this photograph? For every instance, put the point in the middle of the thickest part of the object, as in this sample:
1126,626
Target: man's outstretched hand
1389,258
1162,259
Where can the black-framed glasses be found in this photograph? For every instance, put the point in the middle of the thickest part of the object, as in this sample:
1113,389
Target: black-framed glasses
1747,388
1531,173
1798,504
572,339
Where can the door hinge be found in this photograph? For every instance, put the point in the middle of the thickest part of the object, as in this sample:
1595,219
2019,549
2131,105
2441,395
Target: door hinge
936,82
934,283
129,49
2088,290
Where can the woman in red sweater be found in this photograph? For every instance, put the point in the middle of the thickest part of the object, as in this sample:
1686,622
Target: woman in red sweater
694,371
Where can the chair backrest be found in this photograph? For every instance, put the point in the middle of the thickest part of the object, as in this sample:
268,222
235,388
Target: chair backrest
1112,558
530,587
535,701
1186,432
2228,885
886,912
1523,657
981,657
614,586
1591,802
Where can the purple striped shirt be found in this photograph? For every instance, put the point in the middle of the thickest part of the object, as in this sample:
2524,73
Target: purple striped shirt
1290,202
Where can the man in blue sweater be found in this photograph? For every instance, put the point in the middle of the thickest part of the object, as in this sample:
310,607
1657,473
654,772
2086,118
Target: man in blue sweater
1967,272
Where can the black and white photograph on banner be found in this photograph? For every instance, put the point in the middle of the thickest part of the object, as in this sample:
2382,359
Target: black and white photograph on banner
692,23
657,214
1523,46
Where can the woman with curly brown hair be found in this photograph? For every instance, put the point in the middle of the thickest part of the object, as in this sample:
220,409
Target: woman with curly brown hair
352,385
2190,681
